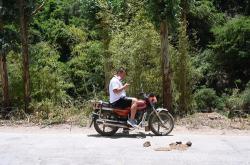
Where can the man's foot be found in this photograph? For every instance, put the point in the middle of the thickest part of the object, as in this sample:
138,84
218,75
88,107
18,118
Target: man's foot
132,122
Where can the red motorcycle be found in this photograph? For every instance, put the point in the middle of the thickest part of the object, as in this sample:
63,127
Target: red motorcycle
107,119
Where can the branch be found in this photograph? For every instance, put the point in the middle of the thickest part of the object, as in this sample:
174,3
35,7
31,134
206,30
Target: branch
38,9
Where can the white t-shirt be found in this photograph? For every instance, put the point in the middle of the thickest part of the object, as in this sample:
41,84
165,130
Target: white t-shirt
115,83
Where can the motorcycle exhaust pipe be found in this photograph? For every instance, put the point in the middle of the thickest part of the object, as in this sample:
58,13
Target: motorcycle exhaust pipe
110,124
111,121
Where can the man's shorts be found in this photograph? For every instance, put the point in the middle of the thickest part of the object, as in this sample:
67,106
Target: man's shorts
122,103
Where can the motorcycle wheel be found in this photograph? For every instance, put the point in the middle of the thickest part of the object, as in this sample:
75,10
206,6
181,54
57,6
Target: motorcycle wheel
107,130
157,127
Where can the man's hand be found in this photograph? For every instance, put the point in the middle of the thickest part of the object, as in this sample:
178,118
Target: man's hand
126,86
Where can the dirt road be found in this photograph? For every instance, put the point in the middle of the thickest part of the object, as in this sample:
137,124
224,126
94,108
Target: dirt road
65,146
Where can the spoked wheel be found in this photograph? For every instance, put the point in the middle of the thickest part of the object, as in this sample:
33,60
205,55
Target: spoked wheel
161,128
102,129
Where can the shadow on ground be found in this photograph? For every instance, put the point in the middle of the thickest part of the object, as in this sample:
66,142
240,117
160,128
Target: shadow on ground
139,135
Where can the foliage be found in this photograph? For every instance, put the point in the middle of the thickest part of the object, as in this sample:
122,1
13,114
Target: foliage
167,10
75,44
234,101
46,112
183,74
232,7
232,51
202,16
246,98
136,48
206,72
48,75
15,78
86,69
207,100
9,40
238,103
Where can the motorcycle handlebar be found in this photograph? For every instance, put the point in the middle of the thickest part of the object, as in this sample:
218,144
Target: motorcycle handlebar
144,95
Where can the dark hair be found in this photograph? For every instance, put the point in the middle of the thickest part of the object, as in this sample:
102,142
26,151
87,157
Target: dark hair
120,70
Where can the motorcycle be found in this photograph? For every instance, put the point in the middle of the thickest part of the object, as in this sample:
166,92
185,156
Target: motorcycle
108,119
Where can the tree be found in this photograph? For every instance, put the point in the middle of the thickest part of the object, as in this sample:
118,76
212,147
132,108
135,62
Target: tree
232,51
136,47
183,67
105,17
25,14
202,16
163,13
4,78
3,68
112,15
232,7
8,41
25,51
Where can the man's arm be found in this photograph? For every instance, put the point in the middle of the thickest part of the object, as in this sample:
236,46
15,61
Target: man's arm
118,90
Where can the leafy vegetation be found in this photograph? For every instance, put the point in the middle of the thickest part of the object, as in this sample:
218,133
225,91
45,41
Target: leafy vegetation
193,53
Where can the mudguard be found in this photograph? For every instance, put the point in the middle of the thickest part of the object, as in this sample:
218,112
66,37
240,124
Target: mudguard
158,110
161,109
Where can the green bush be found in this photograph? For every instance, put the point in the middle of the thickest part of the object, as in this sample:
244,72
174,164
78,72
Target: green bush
14,63
239,100
238,103
206,99
48,75
246,98
47,112
231,49
234,101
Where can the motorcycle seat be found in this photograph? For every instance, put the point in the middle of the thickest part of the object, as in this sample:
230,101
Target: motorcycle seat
106,104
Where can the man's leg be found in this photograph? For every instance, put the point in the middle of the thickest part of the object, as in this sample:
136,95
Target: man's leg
133,108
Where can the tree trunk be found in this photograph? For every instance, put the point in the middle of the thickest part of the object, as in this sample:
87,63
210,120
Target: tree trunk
166,72
183,71
184,68
108,65
185,7
25,52
5,82
4,76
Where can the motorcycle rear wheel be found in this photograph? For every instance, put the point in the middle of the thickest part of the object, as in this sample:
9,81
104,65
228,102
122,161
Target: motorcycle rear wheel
104,130
161,129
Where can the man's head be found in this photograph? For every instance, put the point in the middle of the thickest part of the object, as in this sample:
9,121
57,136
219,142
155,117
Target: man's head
121,72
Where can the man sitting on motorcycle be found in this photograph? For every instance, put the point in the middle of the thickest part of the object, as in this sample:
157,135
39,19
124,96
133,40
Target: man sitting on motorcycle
118,98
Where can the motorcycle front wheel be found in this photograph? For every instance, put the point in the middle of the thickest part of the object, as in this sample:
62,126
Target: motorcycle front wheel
161,128
102,129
